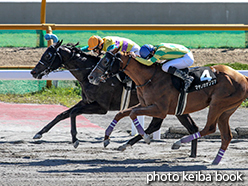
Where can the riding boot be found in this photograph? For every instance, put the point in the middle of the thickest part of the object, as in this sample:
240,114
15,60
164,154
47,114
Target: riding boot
182,75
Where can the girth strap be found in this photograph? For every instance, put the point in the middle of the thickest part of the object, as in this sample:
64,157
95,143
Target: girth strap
126,94
181,103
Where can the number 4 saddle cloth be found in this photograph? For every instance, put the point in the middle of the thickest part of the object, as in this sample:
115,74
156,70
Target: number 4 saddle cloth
203,77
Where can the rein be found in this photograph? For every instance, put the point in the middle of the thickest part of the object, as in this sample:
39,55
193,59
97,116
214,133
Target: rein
126,64
137,86
150,80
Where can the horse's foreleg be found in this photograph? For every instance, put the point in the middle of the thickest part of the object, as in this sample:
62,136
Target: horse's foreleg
153,126
112,125
92,108
190,125
57,119
151,110
73,115
141,131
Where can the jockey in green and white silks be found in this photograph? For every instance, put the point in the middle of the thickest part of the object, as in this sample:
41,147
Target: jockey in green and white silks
98,44
173,56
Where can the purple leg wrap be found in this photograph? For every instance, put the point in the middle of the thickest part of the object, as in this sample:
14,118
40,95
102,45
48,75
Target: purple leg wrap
138,127
110,128
191,137
218,157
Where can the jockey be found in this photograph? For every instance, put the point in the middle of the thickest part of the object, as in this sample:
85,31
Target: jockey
98,44
174,57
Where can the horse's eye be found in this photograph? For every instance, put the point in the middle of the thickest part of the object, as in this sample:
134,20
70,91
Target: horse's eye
49,56
106,62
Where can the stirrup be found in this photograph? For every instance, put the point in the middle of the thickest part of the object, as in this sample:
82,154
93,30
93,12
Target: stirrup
188,82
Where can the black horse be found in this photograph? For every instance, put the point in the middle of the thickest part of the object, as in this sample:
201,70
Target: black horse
95,99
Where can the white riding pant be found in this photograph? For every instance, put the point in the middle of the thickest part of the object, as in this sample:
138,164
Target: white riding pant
135,49
180,63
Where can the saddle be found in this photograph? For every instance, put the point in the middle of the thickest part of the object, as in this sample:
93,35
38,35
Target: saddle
203,78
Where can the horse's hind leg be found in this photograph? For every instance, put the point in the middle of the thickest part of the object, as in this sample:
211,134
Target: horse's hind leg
209,128
226,135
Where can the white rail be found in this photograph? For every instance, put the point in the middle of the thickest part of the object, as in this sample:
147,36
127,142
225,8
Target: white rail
25,75
60,75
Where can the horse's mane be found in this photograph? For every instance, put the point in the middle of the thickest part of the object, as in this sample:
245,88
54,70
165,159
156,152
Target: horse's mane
73,47
124,53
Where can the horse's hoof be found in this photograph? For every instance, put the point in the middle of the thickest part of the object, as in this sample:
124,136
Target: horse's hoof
176,145
147,138
106,142
123,147
192,156
215,162
37,136
75,144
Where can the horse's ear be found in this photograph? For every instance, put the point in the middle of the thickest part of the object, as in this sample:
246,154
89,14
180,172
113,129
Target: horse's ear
118,55
118,49
58,44
77,44
115,50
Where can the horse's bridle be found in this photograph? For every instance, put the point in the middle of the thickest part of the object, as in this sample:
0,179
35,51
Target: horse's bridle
47,65
106,73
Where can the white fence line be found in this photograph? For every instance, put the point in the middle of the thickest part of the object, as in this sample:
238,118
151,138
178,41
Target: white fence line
244,72
60,75
25,75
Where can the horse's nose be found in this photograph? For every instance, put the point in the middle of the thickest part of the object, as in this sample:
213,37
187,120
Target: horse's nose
90,77
32,72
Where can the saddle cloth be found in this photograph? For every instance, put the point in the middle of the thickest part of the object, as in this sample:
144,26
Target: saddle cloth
203,78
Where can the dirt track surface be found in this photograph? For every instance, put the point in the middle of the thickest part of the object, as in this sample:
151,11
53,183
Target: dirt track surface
53,160
31,56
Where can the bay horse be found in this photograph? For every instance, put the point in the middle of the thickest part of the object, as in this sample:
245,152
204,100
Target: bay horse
95,99
158,97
